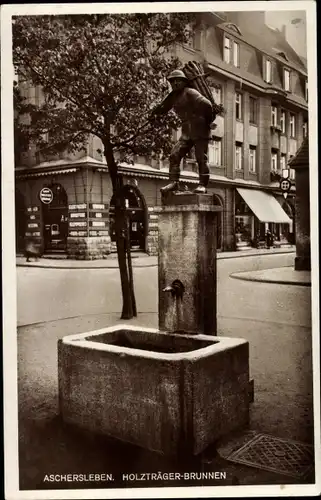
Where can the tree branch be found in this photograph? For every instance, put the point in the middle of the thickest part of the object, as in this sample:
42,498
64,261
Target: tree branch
130,139
50,83
60,143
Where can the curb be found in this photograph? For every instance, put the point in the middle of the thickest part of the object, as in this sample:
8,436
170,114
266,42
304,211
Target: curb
240,254
79,267
220,256
272,281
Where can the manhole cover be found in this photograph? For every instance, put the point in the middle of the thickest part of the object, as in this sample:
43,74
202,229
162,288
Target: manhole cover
275,454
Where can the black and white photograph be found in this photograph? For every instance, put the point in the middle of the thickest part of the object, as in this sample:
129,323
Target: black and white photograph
160,250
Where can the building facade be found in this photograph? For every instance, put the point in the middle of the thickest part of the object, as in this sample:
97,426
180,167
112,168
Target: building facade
262,84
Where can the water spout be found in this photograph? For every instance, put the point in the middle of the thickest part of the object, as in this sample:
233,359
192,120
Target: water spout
176,288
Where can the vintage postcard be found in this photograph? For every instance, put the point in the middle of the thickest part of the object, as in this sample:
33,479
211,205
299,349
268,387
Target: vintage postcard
160,250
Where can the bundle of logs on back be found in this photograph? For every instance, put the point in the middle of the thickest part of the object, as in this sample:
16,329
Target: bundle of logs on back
197,78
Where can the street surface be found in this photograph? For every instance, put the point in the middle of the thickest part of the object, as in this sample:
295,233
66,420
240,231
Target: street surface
275,319
54,294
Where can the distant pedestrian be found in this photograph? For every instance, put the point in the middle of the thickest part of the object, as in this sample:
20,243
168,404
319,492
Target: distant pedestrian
269,239
32,250
257,240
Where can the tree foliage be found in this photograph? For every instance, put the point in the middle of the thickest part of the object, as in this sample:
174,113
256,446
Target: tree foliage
101,75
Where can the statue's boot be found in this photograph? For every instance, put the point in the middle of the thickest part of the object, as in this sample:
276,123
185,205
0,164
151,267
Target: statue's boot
172,186
200,189
204,180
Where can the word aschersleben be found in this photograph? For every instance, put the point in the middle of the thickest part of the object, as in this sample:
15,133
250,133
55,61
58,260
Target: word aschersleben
83,478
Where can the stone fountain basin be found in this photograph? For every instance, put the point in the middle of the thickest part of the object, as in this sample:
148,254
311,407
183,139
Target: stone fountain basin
166,392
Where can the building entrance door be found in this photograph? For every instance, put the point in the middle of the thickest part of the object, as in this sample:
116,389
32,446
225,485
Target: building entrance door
136,212
55,220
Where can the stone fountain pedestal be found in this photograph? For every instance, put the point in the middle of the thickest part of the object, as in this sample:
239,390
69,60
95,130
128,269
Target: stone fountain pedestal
177,389
187,252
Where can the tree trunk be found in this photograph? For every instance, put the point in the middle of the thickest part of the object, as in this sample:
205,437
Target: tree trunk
122,241
130,270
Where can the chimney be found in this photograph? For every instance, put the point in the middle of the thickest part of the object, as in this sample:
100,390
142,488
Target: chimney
283,30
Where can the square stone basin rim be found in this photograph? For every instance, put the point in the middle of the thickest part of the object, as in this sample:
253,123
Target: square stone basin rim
218,344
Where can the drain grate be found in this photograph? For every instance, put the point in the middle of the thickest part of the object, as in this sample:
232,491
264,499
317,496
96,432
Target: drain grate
275,454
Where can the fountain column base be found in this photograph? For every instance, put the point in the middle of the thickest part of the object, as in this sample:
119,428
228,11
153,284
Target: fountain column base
187,226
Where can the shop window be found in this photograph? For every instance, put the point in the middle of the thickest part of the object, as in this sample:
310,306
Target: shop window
253,110
243,228
238,156
252,159
238,106
215,152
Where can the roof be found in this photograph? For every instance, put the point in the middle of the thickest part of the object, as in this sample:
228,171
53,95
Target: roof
271,41
301,159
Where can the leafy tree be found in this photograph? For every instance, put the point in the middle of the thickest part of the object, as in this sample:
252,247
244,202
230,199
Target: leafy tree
101,75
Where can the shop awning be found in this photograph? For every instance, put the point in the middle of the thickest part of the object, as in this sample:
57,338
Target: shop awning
264,206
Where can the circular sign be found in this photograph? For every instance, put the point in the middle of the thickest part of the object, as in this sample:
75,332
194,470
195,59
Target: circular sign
46,195
285,185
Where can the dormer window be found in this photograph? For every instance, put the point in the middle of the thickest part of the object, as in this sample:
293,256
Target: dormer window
268,70
231,52
227,50
283,54
233,27
236,54
286,79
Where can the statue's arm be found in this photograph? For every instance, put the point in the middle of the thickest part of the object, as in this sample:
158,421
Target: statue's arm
165,106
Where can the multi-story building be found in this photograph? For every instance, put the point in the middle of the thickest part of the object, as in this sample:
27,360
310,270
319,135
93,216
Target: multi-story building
262,84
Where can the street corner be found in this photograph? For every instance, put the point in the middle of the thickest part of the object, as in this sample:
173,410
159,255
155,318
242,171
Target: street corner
280,275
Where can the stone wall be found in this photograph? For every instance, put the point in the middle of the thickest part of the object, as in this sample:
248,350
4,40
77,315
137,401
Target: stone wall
88,248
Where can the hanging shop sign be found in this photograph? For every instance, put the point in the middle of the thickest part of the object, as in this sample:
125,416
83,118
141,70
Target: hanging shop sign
285,185
46,195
